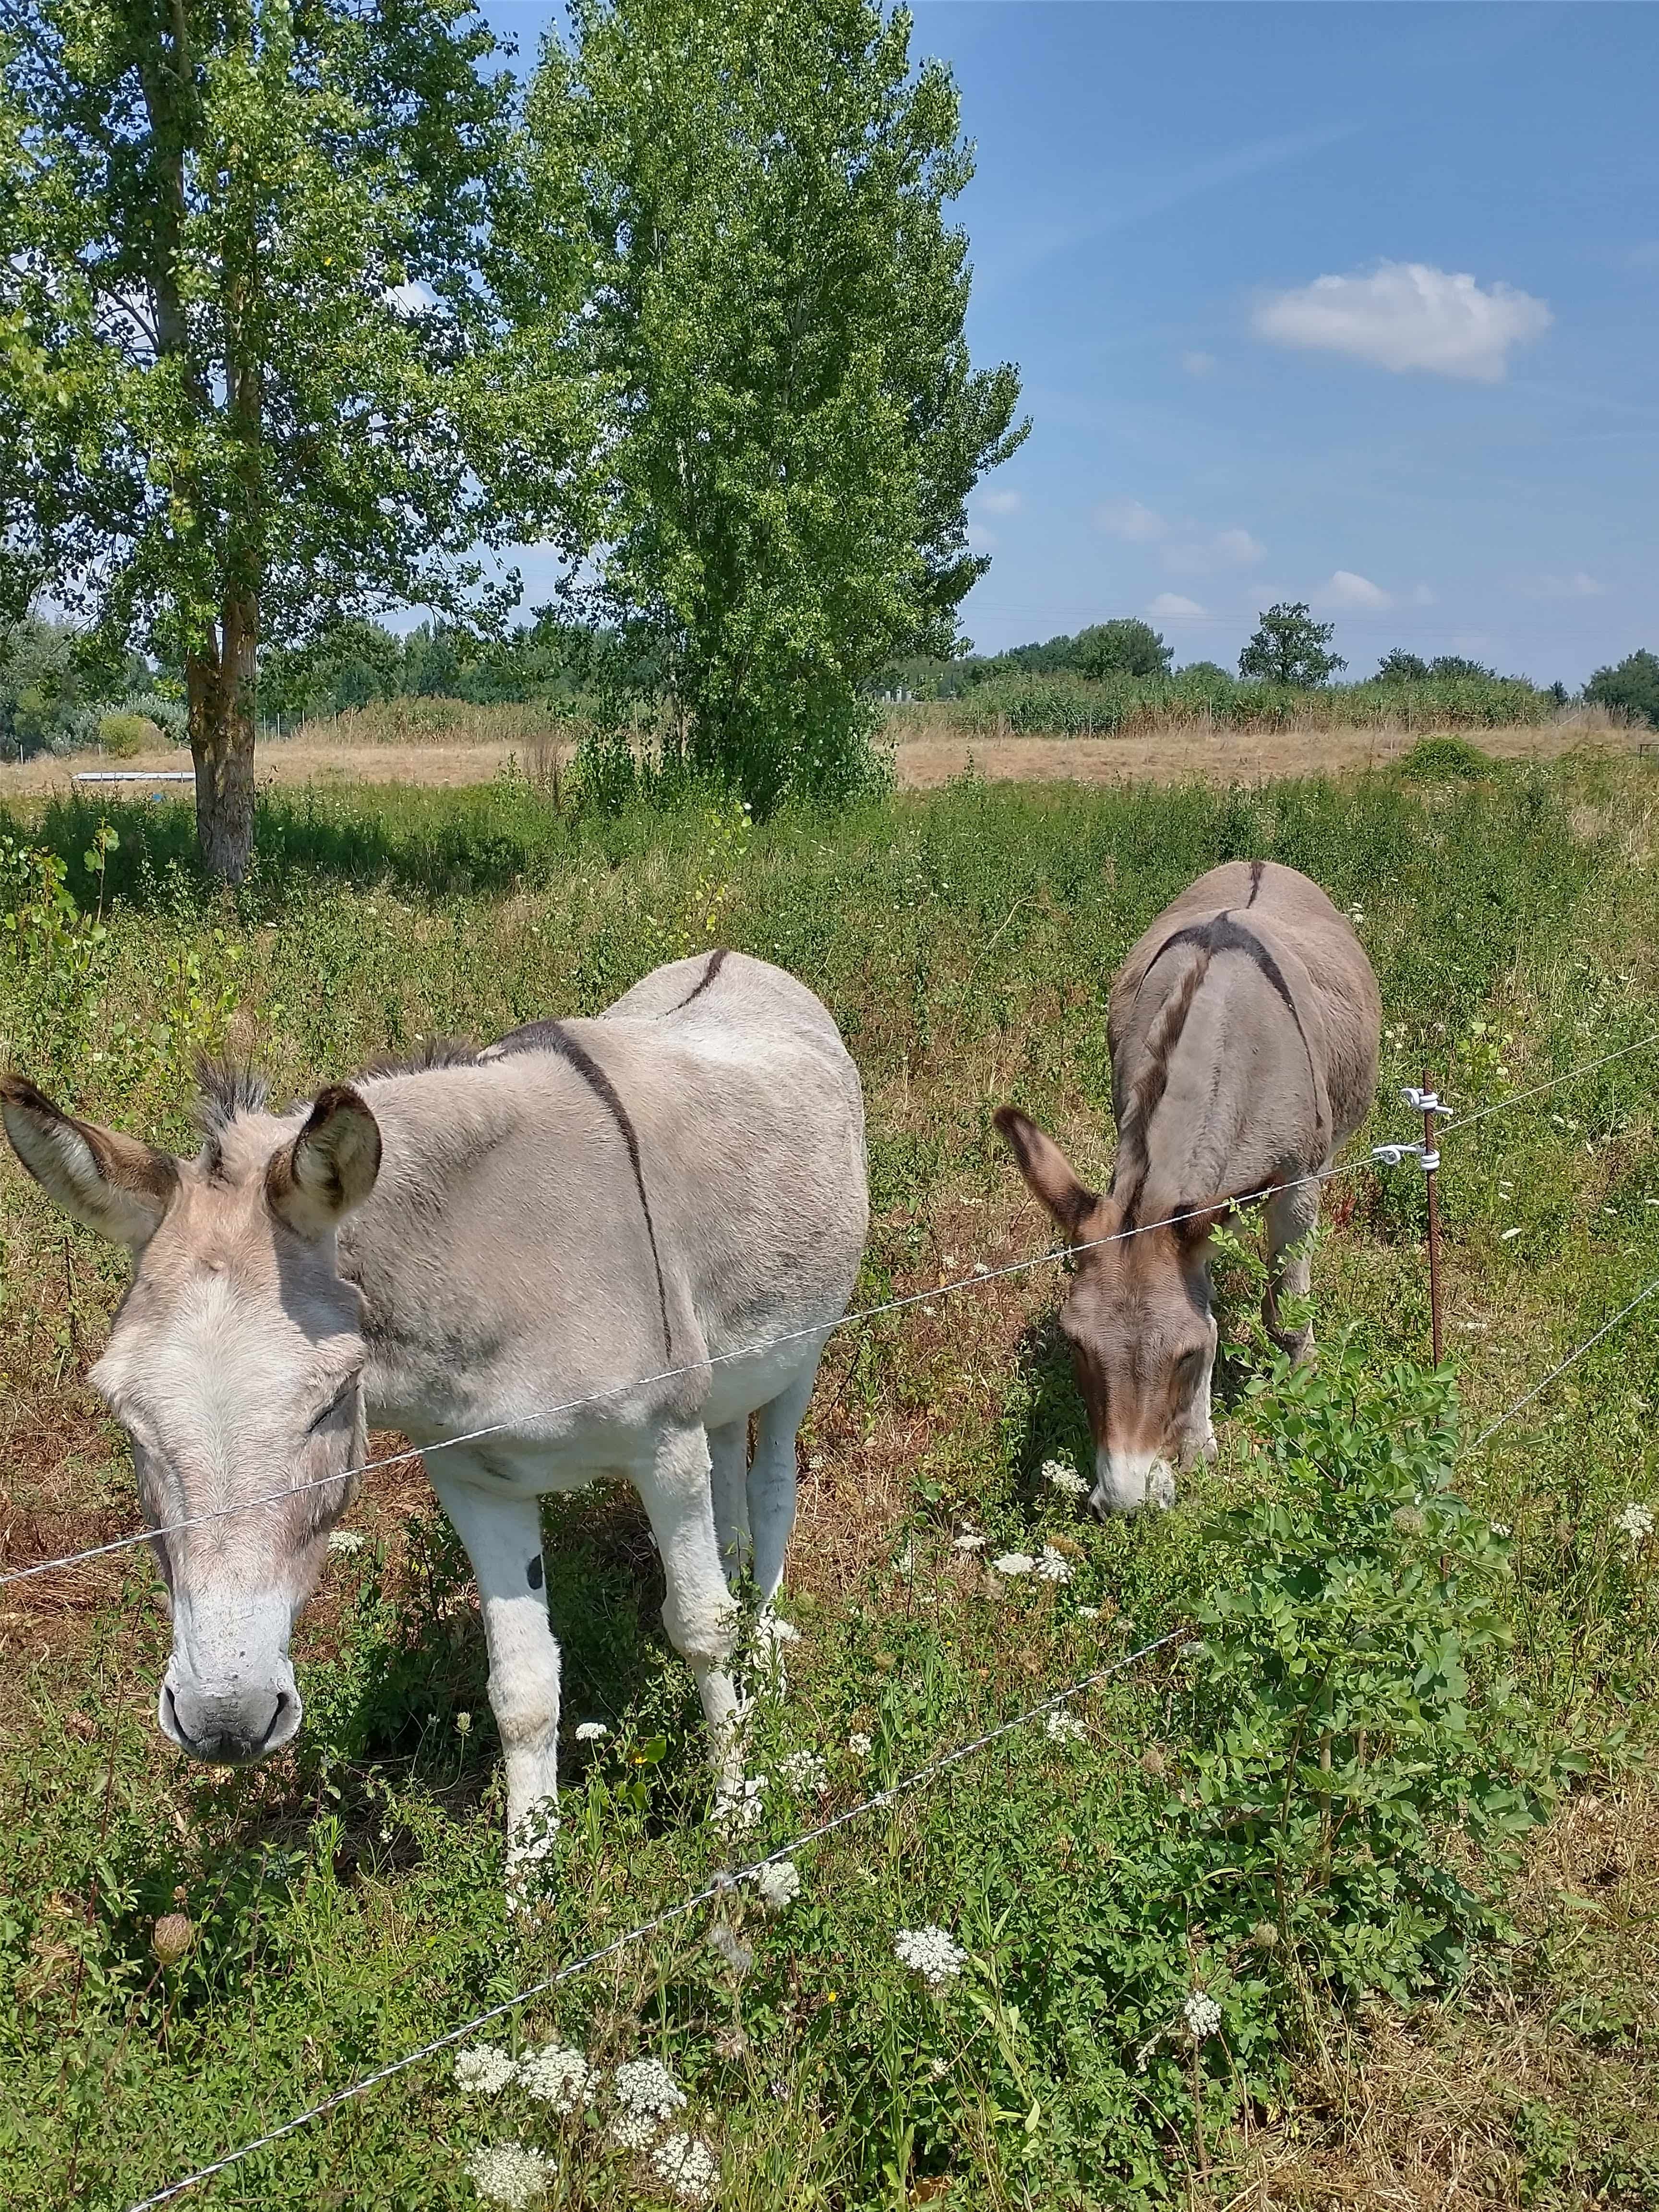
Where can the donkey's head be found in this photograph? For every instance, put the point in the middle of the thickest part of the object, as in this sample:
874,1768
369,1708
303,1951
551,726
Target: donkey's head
1137,1319
234,1364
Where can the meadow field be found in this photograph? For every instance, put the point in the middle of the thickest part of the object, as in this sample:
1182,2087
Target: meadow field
1346,1895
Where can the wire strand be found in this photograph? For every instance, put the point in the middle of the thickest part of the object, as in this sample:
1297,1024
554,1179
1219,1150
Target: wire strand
973,1281
721,1884
1589,1345
1463,1122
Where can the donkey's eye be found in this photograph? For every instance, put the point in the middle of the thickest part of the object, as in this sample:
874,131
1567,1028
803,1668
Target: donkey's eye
337,1404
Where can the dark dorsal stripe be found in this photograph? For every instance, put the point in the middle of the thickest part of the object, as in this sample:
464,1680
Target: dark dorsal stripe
716,961
553,1037
1256,869
1221,933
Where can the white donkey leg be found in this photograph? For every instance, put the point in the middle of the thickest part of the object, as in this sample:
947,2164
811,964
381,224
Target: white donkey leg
728,1451
772,1478
1291,1216
699,1611
503,1540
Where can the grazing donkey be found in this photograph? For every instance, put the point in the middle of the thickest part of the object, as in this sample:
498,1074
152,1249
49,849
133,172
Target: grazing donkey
1244,1030
658,1214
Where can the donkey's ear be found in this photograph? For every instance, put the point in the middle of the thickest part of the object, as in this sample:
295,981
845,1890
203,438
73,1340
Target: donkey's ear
109,1182
1048,1170
313,1183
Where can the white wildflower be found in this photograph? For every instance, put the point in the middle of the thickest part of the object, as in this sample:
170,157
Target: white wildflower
591,1731
507,2174
647,2094
980,1267
1088,1613
1636,1521
1501,1529
739,1806
860,1745
462,1723
906,1562
804,1769
1053,1566
970,1541
930,1953
481,2070
778,1885
1063,1727
346,1539
1060,1475
688,2168
1202,2015
558,2076
1013,1563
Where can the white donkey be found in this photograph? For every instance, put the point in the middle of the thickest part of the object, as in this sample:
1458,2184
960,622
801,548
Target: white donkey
609,1242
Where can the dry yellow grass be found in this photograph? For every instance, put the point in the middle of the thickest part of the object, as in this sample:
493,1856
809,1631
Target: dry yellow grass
442,742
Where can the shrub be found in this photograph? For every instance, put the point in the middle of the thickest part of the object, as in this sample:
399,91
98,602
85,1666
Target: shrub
125,736
1632,685
1446,760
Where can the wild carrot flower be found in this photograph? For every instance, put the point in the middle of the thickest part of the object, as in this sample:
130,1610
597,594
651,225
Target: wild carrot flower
481,2070
1636,1521
1202,2015
346,1539
804,1769
1052,1567
968,1541
1063,1727
591,1731
1088,1613
860,1745
507,2174
687,2166
647,2094
557,2076
1013,1563
930,1953
1062,1476
778,1885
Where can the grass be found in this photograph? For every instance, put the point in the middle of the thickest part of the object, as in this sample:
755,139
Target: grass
1496,2045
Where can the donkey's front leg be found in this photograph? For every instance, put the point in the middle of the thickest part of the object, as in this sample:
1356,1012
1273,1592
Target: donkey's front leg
1292,1216
699,1611
503,1538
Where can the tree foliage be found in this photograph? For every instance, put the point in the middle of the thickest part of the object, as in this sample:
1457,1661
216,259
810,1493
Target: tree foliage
1122,647
1632,687
249,380
1290,646
789,423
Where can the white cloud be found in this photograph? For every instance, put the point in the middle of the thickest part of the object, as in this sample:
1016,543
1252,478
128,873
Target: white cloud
1345,589
998,502
1128,519
1169,606
1578,585
1199,364
980,539
412,299
1407,315
1227,548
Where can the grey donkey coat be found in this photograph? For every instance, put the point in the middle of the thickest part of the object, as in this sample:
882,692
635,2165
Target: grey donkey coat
607,1242
1244,1029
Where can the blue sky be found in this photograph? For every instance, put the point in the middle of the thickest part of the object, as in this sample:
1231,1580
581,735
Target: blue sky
1454,446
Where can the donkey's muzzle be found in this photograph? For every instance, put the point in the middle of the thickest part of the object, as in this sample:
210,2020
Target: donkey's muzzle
233,1729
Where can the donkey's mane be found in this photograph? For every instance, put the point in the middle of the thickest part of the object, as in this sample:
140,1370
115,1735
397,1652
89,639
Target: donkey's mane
1149,1084
430,1053
226,1088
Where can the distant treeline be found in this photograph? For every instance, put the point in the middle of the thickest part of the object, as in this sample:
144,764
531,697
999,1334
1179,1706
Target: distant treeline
57,695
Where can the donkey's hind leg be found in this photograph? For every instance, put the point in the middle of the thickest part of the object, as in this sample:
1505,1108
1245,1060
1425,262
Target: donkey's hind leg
1292,1215
699,1611
772,1477
728,1453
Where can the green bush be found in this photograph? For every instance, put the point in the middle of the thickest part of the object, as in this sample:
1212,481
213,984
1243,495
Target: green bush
1445,760
1632,686
122,737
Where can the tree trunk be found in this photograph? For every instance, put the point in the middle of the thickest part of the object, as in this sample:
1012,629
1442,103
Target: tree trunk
220,692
